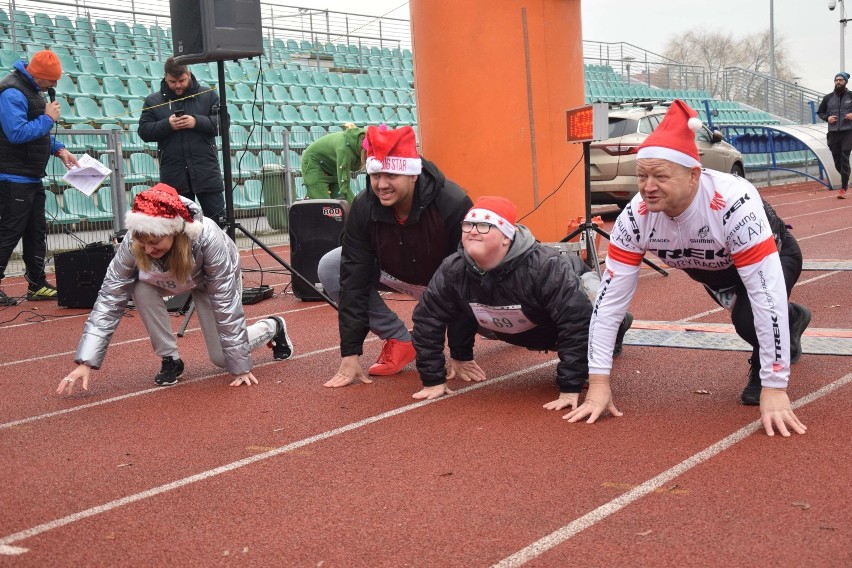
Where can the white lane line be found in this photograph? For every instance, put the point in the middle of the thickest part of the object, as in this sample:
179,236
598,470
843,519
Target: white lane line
145,338
14,423
593,517
799,239
6,541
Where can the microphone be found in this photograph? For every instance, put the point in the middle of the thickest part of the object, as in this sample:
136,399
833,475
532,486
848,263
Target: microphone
51,94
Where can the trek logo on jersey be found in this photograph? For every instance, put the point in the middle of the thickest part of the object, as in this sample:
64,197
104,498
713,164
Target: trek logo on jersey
333,212
737,204
634,226
701,254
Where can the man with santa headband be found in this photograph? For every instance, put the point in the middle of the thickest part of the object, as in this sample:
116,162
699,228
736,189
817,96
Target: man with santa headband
397,233
716,228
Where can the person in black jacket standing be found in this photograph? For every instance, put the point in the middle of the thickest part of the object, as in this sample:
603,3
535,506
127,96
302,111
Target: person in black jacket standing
182,118
396,235
836,110
502,282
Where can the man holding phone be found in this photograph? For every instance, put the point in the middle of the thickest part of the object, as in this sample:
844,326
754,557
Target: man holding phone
182,118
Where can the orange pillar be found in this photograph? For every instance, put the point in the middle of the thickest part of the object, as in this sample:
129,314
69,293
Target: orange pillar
493,82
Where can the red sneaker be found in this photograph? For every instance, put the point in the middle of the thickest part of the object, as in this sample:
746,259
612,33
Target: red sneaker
841,194
394,357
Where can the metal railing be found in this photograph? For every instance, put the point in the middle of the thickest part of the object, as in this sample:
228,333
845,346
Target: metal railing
779,98
637,65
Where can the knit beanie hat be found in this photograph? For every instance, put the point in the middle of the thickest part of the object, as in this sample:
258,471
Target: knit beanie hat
497,211
45,65
159,211
674,138
844,75
392,151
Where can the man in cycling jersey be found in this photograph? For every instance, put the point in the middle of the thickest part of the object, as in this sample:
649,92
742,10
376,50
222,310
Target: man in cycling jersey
715,227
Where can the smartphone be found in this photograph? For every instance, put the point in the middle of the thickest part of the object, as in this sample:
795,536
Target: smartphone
180,113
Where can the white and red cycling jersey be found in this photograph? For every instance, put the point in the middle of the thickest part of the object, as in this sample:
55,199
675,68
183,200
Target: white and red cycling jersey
722,240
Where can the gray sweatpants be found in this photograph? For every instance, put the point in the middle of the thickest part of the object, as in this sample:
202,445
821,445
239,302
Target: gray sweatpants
383,321
152,309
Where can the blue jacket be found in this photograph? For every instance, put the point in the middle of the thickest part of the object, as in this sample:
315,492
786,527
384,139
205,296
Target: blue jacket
19,130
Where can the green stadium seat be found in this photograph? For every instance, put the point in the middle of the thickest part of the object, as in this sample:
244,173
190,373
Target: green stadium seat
297,93
376,97
271,76
121,28
342,114
281,94
375,115
316,132
245,165
67,114
143,169
244,92
290,115
310,116
114,110
89,87
276,136
130,141
258,138
69,65
79,204
114,87
299,137
295,161
359,115
54,214
103,200
241,200
268,158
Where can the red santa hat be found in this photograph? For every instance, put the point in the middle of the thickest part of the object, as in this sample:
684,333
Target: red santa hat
674,138
159,211
392,151
497,211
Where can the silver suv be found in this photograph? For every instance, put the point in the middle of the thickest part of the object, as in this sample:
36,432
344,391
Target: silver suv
613,161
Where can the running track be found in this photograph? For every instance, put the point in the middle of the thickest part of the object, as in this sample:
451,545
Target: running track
288,473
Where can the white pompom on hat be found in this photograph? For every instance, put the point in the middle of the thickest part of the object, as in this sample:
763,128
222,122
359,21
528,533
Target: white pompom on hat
674,138
159,212
392,151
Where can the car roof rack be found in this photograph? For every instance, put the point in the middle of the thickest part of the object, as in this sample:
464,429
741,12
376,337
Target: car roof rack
645,103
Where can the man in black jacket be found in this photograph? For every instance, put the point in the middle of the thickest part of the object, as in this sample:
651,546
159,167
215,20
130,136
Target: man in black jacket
397,233
504,283
836,110
182,118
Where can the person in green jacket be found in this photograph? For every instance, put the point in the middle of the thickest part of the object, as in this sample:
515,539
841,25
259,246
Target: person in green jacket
328,161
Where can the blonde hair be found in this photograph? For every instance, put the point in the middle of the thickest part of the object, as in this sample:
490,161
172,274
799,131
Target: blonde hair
178,260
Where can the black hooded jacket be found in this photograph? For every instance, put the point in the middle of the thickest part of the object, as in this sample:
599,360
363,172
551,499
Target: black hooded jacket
543,282
373,241
188,158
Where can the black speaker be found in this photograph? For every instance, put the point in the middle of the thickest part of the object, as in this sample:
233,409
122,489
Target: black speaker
215,30
80,273
315,229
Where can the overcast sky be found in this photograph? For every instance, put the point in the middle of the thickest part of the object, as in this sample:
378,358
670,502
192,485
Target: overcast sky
809,30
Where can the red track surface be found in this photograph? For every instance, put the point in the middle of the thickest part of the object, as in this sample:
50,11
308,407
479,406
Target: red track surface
362,476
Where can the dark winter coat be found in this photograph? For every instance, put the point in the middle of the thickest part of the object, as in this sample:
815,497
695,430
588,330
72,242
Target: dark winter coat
188,158
543,282
373,240
839,106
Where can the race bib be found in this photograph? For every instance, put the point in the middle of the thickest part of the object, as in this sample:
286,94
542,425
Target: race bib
166,281
504,319
413,290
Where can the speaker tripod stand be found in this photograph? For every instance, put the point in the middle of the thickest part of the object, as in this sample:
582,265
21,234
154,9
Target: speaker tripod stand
231,226
589,228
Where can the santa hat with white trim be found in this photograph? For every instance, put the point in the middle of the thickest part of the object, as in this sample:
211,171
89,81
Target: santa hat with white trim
392,151
159,211
497,211
674,138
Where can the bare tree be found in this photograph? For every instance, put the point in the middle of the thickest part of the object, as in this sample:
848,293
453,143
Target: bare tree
714,51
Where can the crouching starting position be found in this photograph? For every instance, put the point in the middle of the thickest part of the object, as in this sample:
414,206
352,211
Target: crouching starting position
506,285
716,228
171,248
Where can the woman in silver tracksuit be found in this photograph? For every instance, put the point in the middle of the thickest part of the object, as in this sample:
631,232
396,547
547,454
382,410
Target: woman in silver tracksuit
171,248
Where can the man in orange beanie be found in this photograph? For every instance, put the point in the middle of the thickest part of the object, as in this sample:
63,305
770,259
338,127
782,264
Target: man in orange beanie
26,120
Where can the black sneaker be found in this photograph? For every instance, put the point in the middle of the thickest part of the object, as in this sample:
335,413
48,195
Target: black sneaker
170,370
751,393
6,300
798,325
40,292
282,347
619,337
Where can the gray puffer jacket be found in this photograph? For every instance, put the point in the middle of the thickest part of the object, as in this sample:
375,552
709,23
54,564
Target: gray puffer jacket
216,271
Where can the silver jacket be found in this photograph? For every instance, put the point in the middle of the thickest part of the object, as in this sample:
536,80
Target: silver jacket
216,272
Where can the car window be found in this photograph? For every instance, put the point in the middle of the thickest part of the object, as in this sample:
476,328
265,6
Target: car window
703,135
648,124
620,126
